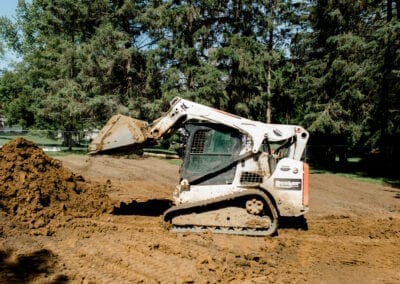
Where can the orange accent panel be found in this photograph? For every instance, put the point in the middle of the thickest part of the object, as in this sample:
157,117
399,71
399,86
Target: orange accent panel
306,184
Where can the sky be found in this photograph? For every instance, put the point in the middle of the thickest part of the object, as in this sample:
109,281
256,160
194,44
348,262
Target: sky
7,9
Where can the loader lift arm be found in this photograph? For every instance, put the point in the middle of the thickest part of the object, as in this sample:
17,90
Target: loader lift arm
122,131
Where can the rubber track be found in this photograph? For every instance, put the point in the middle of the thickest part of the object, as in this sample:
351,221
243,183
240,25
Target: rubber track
174,211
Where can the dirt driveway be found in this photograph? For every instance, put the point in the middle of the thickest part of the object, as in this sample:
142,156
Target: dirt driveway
352,233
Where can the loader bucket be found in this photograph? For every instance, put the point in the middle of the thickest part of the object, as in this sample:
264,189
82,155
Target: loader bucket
120,132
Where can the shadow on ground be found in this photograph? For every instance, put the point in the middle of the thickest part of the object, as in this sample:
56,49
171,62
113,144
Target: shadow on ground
28,267
297,223
153,207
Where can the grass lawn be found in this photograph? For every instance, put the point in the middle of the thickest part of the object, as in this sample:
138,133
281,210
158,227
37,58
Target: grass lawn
37,139
358,175
53,147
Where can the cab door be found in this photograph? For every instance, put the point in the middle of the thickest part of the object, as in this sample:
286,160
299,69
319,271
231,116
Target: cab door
210,154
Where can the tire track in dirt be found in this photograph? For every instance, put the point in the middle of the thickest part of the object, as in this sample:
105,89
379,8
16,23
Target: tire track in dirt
347,244
91,253
90,262
102,260
125,255
163,253
150,262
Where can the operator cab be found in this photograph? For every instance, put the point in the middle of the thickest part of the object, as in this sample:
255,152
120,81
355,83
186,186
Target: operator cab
209,153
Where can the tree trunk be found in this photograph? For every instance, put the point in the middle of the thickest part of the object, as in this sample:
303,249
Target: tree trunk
269,95
383,105
270,48
68,141
389,13
72,67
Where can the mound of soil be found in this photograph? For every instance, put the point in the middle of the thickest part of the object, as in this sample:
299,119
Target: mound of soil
36,189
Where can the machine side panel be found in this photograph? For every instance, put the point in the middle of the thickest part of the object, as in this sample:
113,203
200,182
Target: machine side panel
287,186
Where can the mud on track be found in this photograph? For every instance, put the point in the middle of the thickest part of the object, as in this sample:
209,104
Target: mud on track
351,234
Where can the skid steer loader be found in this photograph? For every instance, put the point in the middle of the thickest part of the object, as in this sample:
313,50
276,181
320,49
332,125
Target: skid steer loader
237,176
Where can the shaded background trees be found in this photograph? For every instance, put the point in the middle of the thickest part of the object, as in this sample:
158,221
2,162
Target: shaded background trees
332,66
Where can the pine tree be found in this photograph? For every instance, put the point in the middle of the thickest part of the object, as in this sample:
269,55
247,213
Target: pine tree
332,80
385,71
80,60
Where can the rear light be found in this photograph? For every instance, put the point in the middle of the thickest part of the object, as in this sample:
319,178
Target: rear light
306,184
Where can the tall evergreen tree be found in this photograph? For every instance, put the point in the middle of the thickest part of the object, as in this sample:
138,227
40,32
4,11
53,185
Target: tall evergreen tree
385,115
345,80
332,79
80,59
183,33
219,52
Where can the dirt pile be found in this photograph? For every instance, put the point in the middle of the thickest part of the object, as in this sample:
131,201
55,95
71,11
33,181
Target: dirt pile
36,189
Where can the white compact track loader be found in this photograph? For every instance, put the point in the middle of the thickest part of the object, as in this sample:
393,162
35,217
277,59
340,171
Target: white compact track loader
238,176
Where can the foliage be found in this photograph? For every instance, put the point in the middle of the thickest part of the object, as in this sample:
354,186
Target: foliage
332,66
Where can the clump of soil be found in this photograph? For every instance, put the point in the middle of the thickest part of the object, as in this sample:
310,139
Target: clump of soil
36,189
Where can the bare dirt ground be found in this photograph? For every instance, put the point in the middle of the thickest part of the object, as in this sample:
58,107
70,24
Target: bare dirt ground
352,231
